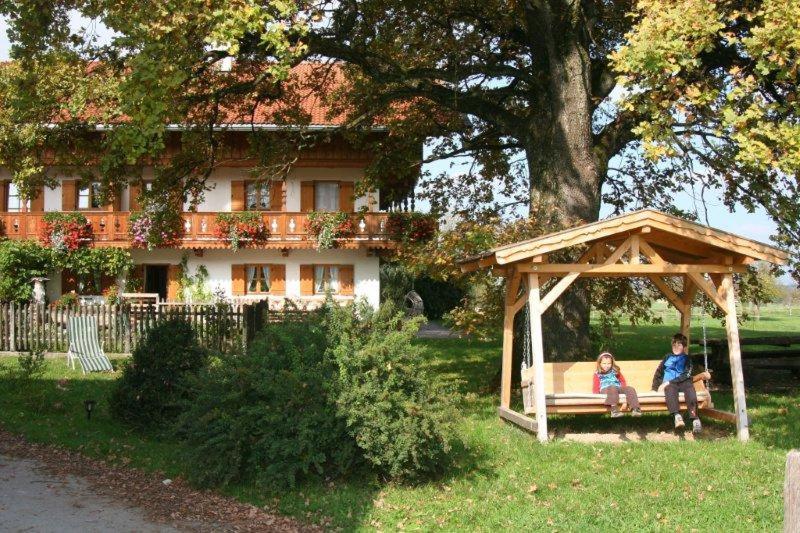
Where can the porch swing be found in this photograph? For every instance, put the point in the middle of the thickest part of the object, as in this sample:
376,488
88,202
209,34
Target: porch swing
645,243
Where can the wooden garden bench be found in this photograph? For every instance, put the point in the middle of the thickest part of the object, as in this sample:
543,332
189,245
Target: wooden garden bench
568,389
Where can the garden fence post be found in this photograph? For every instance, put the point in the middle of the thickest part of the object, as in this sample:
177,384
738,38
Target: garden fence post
12,330
791,493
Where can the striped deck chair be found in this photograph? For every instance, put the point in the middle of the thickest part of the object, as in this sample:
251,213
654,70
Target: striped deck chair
83,345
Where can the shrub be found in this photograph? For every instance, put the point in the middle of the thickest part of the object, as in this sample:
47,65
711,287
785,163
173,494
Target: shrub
153,383
439,297
20,261
397,413
266,414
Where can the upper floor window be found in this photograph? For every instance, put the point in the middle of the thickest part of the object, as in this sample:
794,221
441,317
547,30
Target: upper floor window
326,196
257,196
89,197
326,279
14,200
257,279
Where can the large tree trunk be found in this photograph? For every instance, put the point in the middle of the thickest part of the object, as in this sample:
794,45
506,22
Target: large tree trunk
564,179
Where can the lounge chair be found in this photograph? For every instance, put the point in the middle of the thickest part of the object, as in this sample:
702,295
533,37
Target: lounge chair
84,346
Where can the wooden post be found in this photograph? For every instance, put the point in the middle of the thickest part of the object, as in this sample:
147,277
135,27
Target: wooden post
735,357
686,324
535,316
512,286
791,493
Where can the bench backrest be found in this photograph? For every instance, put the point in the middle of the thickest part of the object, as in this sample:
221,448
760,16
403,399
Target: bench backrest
577,377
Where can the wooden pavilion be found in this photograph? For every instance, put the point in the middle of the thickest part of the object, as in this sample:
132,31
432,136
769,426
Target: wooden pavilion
645,243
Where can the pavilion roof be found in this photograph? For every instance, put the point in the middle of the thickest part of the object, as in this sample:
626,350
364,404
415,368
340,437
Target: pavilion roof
676,240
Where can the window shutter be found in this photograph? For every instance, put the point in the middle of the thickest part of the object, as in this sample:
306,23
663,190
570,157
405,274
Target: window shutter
346,283
238,280
346,191
277,279
237,195
276,195
134,191
3,195
69,195
116,200
306,196
173,278
37,203
306,280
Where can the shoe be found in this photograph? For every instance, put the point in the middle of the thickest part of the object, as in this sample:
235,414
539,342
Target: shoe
636,412
616,413
679,424
697,427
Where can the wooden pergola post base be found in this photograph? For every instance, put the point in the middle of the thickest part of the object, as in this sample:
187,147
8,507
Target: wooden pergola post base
647,244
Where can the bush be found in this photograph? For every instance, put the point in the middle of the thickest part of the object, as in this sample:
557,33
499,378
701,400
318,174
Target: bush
20,261
439,297
397,413
153,383
267,414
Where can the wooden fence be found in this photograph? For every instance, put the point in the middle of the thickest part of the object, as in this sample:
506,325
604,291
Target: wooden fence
26,326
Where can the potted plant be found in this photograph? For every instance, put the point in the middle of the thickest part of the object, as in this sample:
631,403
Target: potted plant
65,232
241,229
411,227
155,229
327,227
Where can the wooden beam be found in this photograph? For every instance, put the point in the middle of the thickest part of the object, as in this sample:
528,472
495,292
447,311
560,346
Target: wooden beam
667,291
735,358
708,289
651,254
537,347
619,268
518,419
619,252
716,414
512,288
559,288
635,259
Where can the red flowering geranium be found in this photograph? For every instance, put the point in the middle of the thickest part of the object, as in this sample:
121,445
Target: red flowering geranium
411,227
241,229
326,227
65,231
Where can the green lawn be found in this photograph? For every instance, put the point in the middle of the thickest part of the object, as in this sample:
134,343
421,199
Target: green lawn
502,477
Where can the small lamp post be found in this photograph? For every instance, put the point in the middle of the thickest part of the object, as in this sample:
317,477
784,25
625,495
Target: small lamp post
89,406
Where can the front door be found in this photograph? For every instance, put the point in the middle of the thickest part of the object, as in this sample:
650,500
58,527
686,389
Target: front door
155,280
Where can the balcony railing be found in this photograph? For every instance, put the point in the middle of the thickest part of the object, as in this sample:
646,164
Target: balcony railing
111,228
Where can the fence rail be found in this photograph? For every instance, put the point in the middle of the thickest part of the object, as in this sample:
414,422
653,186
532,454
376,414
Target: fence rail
27,325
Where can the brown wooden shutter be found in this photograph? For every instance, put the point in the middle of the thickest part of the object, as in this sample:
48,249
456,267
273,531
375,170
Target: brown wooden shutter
346,283
276,196
277,279
133,202
346,191
237,195
238,280
306,280
173,282
4,195
116,200
306,196
37,202
69,195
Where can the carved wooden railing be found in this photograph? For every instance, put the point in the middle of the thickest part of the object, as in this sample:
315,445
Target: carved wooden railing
112,227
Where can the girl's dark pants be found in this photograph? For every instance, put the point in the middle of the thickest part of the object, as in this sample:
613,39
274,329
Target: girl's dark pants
612,396
671,396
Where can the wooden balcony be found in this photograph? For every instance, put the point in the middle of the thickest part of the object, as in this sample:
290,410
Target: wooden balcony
286,230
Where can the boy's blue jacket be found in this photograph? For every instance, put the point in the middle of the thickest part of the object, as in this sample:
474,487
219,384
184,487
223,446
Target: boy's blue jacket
673,368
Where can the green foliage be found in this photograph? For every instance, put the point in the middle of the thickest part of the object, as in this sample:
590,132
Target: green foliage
439,297
327,227
241,229
31,364
20,262
153,381
267,415
398,414
193,288
90,264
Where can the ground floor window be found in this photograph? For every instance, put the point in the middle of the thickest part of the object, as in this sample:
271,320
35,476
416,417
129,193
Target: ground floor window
326,279
257,279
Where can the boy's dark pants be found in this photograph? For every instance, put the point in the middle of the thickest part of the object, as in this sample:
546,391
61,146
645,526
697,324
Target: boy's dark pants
671,396
612,396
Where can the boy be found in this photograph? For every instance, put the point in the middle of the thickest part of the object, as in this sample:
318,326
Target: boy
674,375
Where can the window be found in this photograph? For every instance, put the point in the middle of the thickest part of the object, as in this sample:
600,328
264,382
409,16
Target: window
257,279
326,279
326,196
257,196
89,197
14,200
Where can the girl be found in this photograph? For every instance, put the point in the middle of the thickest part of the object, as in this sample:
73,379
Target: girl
609,379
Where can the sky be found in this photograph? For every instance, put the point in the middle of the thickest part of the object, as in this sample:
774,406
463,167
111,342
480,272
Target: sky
757,225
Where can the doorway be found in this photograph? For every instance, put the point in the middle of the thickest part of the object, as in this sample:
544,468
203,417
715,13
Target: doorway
155,280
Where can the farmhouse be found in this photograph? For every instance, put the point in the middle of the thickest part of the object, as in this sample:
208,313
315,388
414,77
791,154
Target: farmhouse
277,255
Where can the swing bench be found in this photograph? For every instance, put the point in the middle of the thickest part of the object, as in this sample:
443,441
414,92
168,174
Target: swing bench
645,244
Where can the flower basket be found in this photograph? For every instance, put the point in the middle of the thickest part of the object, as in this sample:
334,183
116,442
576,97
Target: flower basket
411,227
241,229
326,228
155,230
65,232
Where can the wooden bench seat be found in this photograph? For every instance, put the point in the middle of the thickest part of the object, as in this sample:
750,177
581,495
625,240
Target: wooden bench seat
568,388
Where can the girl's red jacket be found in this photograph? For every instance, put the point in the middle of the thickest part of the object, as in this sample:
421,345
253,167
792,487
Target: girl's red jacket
596,382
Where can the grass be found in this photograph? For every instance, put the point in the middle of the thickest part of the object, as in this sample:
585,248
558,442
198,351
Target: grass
501,476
